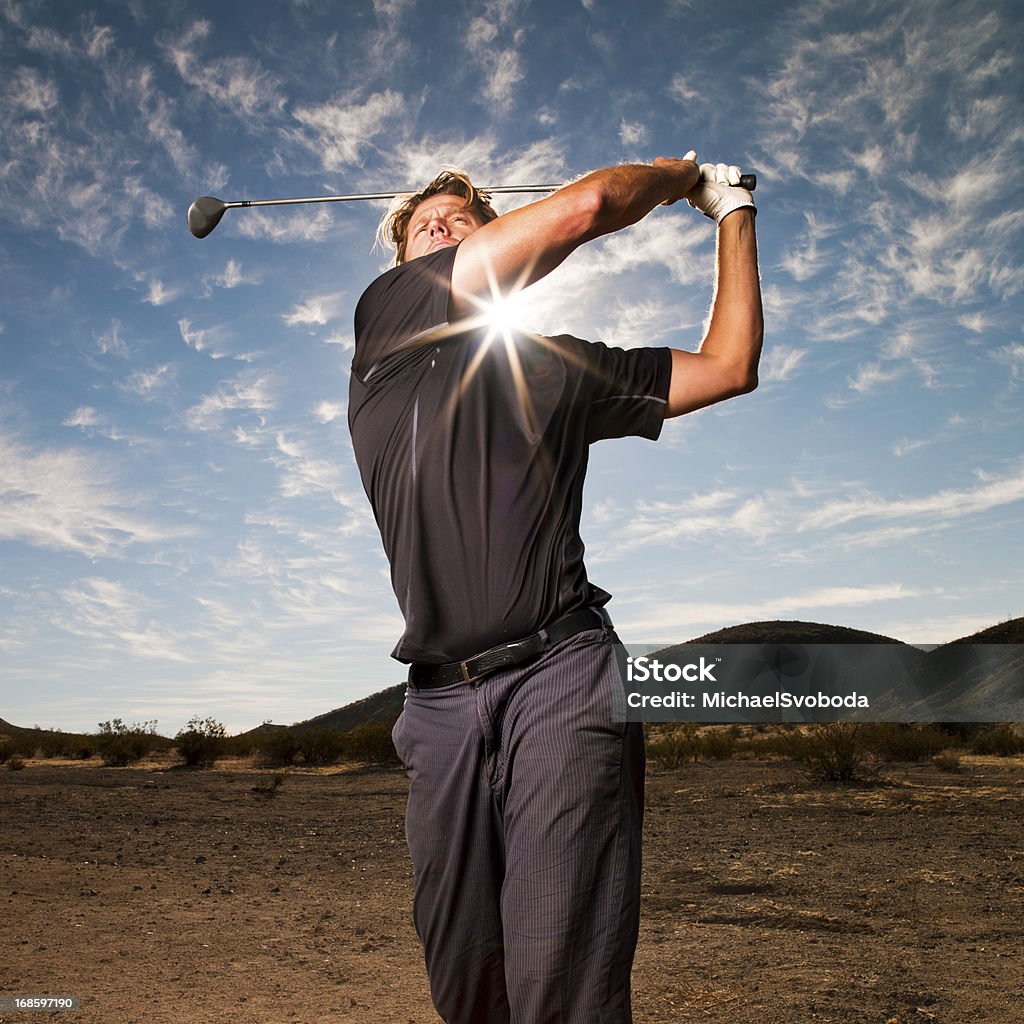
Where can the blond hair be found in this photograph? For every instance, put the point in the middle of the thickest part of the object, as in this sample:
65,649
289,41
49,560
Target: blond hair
394,225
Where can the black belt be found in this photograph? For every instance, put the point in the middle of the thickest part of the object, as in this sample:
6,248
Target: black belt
426,677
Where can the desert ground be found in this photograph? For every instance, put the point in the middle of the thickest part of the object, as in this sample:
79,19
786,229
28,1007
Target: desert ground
158,894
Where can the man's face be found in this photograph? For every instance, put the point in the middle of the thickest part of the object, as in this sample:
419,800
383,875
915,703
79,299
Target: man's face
437,222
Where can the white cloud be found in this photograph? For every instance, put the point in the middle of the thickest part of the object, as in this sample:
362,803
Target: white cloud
231,277
632,133
943,505
683,90
492,43
263,226
159,294
318,309
871,376
237,84
1013,357
328,412
68,500
147,382
664,622
245,394
193,338
343,128
111,343
31,92
976,323
780,362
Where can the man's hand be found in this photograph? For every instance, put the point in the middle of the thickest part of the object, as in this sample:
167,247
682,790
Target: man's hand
716,194
690,171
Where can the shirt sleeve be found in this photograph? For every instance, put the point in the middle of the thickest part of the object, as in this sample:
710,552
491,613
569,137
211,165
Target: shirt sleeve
627,390
401,305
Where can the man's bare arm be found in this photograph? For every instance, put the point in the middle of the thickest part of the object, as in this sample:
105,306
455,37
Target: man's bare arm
726,364
523,246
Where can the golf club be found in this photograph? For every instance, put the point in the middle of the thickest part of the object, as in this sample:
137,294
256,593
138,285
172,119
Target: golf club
205,213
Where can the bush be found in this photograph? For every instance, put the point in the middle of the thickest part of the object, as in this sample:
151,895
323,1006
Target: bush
718,744
15,763
278,746
1004,741
320,746
201,742
673,747
948,761
897,741
119,744
372,743
829,752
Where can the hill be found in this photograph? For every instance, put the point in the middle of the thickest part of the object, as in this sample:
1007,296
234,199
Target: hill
952,674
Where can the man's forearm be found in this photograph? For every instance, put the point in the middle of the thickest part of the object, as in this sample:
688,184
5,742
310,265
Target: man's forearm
726,364
628,192
736,327
524,245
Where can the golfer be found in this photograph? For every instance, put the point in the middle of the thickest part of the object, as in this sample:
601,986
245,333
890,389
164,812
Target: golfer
526,796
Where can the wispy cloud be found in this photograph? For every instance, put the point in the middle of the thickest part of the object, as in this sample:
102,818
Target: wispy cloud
159,294
858,111
239,85
69,500
670,620
343,128
493,42
249,393
632,133
318,309
232,276
780,362
111,341
947,505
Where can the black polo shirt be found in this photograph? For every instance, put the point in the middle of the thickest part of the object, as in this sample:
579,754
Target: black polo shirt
473,452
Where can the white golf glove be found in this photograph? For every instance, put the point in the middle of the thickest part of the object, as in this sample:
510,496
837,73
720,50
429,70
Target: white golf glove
717,194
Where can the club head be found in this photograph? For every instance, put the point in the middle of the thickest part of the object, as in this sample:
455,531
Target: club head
205,214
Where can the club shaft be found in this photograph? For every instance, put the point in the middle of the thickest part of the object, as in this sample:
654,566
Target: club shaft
496,190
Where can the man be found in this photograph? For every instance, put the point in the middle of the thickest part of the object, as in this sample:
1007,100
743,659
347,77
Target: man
526,793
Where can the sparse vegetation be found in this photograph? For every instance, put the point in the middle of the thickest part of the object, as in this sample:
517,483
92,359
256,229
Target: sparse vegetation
1003,741
120,744
268,786
201,742
15,763
278,746
948,761
899,741
829,751
370,743
674,745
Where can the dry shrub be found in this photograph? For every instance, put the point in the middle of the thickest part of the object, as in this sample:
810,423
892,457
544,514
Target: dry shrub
674,746
201,742
948,761
718,744
899,741
829,752
120,744
1003,741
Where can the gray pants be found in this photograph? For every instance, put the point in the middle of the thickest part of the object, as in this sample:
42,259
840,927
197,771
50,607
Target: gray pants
524,823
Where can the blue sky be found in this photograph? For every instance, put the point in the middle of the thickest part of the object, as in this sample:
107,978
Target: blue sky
182,527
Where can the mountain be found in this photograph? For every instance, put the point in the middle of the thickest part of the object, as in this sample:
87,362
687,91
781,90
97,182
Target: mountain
968,673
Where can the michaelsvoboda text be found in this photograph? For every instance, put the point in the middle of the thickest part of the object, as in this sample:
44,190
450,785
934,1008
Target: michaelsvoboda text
643,669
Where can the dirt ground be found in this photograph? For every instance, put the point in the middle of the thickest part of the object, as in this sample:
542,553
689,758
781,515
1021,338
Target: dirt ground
163,895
